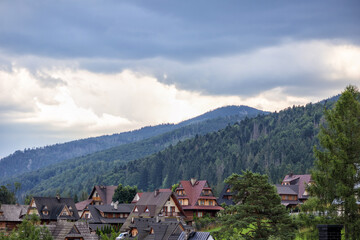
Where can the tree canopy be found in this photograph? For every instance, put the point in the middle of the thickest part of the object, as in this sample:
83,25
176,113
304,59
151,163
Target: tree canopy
336,174
124,194
29,229
258,213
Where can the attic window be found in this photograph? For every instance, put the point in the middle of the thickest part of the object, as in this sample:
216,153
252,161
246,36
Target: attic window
147,210
228,190
136,210
134,232
45,212
151,231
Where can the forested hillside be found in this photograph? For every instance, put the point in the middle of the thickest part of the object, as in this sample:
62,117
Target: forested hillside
32,159
74,175
275,144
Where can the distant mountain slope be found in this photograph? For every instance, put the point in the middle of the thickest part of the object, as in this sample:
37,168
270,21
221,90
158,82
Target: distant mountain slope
84,171
32,159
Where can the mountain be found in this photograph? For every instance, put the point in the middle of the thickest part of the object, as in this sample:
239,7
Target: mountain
274,144
32,159
82,173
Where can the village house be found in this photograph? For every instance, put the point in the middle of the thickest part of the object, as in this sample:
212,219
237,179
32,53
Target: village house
155,204
226,196
52,209
99,195
196,198
99,216
11,216
64,230
292,189
155,229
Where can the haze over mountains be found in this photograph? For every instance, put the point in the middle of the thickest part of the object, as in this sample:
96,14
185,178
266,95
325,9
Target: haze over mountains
210,147
33,159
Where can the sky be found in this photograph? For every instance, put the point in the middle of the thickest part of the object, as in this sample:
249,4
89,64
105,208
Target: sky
78,69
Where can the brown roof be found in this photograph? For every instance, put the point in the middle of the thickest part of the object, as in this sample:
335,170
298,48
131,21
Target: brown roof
300,180
82,205
193,193
106,193
12,213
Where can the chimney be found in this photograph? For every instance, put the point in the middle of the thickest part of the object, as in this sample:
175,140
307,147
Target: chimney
193,181
156,192
291,174
116,205
58,197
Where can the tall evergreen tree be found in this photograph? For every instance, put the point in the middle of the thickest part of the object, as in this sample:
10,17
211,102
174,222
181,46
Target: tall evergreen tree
258,214
336,174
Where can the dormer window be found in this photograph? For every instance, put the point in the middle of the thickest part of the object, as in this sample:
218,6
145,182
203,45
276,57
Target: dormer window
136,209
147,210
45,212
134,232
152,231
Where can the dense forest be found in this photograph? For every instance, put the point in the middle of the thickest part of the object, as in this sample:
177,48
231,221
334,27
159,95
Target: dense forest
74,175
274,144
32,159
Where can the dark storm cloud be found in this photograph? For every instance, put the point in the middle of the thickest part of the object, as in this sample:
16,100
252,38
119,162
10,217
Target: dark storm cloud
181,30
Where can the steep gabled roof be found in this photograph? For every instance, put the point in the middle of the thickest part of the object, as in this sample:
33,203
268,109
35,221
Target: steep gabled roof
106,193
12,213
82,205
55,205
300,180
287,189
222,197
162,230
193,190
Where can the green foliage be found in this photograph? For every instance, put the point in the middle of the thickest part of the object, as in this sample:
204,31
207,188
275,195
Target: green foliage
6,196
273,144
204,223
174,187
337,166
106,167
258,214
124,194
29,230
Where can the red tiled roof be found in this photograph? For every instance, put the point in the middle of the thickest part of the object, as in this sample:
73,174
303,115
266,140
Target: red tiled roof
193,193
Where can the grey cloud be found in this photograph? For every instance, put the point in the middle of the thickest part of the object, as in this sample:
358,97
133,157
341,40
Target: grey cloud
177,30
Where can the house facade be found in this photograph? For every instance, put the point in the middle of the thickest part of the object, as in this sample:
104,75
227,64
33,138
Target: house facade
99,216
292,189
52,209
161,205
197,198
11,216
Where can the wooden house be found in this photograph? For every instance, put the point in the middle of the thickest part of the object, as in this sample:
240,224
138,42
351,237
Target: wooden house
155,205
52,209
11,216
196,197
292,189
99,216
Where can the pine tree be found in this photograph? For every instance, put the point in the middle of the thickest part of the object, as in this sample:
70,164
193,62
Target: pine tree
258,214
336,172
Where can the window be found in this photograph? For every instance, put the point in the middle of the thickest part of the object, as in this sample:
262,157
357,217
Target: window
134,232
165,209
199,214
211,203
146,210
201,202
136,210
228,190
172,209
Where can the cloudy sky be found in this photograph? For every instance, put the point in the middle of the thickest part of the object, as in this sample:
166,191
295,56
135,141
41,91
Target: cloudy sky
75,69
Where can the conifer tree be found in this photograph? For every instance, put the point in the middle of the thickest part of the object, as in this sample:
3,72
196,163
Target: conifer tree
336,175
258,213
